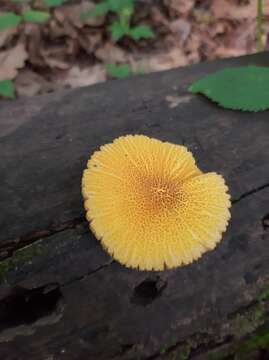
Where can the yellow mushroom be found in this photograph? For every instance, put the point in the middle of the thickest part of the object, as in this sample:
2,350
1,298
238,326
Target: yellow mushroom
150,205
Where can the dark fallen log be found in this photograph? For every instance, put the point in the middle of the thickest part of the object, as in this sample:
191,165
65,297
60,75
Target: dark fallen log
62,296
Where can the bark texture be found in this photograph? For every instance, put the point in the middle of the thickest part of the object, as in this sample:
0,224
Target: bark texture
61,295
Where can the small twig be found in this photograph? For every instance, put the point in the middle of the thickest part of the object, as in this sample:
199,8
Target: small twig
259,44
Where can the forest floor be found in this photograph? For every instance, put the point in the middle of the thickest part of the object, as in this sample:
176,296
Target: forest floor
68,52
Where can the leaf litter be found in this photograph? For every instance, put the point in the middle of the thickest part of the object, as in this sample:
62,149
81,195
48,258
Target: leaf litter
66,52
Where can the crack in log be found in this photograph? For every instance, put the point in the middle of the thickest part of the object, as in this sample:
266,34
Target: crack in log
82,277
193,346
124,349
198,344
265,222
23,309
9,247
250,192
185,348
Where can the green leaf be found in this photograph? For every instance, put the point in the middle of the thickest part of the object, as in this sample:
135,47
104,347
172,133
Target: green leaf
141,32
53,3
118,71
118,30
6,89
264,295
239,88
34,16
9,20
100,9
119,5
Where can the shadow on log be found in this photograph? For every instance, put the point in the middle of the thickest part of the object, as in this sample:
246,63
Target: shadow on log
62,296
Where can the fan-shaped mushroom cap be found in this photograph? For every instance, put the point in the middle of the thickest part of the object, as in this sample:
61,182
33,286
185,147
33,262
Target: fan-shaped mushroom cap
150,205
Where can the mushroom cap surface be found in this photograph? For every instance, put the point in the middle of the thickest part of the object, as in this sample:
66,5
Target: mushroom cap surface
150,205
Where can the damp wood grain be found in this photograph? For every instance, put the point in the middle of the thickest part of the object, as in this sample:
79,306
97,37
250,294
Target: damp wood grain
61,295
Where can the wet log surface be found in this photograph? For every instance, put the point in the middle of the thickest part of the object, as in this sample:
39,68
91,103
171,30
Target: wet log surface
61,295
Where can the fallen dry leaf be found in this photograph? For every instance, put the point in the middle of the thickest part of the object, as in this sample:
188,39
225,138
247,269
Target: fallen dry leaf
29,83
181,7
34,41
69,51
174,100
72,13
169,60
7,35
90,40
244,36
192,47
56,57
110,53
11,60
159,18
224,52
93,21
227,9
217,29
61,30
181,28
84,77
57,64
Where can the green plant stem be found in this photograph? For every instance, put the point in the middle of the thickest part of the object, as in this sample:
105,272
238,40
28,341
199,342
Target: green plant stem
125,17
259,25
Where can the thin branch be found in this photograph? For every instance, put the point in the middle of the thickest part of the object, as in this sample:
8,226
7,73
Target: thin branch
259,44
